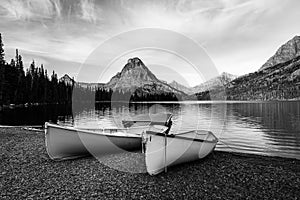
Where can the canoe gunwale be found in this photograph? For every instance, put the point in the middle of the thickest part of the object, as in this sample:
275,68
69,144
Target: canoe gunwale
92,132
184,138
115,129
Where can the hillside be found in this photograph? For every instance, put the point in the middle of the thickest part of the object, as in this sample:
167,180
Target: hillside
282,81
286,52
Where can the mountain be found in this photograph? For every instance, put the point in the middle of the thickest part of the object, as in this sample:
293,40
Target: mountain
286,52
282,81
135,76
218,81
67,79
178,86
278,79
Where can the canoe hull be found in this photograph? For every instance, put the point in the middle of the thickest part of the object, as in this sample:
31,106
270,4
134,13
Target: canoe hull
68,143
180,148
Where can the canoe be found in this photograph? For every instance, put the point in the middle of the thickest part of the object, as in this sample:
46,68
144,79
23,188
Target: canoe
164,150
64,143
163,119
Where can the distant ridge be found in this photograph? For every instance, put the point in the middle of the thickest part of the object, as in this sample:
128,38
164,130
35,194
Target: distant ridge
178,86
219,81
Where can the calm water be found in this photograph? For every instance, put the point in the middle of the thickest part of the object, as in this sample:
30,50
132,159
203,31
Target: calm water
270,128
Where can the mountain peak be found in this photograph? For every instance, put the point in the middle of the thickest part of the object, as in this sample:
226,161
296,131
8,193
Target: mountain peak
286,52
66,76
134,74
67,79
297,37
135,60
133,63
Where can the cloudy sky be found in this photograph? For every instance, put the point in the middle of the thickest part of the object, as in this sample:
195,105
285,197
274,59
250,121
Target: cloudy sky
237,35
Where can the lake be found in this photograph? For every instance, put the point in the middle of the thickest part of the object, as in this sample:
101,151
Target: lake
268,128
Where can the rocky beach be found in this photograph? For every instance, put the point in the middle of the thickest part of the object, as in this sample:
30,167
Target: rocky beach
28,173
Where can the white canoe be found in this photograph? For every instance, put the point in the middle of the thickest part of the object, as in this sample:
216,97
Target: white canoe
64,143
167,150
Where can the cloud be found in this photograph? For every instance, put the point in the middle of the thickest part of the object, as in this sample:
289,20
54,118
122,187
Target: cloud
239,35
30,9
88,10
15,10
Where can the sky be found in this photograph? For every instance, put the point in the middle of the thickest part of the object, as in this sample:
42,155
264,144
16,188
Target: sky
236,36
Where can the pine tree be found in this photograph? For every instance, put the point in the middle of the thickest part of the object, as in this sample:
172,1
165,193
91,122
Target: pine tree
12,63
20,64
17,58
2,60
2,71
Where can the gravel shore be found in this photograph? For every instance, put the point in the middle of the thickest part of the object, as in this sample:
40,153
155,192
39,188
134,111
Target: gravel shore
26,172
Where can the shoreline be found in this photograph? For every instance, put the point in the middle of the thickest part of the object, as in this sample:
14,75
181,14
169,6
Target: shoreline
28,172
13,106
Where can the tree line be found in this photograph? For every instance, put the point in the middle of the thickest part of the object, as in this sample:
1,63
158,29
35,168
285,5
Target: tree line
30,86
103,94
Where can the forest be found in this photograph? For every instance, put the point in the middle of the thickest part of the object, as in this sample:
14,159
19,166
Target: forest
30,86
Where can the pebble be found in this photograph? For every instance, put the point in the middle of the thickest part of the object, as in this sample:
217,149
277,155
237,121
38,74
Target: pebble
27,172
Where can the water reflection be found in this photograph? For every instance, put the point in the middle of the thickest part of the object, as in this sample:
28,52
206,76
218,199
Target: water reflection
36,115
270,128
277,122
